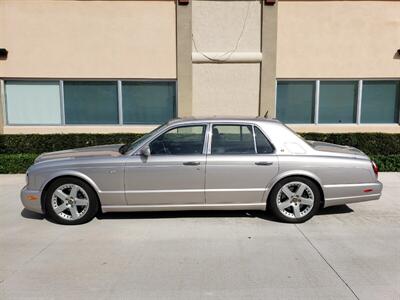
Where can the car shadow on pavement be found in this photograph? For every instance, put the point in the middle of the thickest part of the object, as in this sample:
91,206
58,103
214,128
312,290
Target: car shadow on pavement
342,209
335,210
27,214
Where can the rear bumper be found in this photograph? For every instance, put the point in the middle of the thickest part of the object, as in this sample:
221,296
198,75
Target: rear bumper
31,200
338,194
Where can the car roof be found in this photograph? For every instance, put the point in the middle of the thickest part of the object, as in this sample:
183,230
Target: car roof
222,119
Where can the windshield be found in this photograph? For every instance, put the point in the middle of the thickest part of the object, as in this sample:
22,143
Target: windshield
141,139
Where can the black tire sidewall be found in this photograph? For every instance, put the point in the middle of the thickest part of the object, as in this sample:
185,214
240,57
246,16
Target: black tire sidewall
93,201
274,192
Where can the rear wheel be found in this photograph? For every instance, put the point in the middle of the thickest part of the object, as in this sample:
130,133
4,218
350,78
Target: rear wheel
294,199
71,201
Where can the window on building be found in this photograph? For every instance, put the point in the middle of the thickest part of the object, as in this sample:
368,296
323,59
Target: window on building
91,102
232,139
338,101
180,141
380,102
33,102
148,102
295,101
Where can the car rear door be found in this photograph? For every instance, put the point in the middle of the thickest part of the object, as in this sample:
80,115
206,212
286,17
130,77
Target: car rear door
174,172
240,163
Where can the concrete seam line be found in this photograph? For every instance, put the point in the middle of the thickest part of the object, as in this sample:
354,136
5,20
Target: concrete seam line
326,261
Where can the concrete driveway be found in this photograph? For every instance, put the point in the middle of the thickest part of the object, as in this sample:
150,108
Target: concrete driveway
347,252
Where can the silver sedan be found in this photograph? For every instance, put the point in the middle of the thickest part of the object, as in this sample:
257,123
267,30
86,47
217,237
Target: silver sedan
202,164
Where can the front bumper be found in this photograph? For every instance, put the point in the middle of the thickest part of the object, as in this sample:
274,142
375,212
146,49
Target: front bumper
31,200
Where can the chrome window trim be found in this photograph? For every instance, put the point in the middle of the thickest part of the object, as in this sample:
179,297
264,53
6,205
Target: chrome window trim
168,128
254,125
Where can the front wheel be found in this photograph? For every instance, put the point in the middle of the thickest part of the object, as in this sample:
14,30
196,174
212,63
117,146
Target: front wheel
294,199
71,201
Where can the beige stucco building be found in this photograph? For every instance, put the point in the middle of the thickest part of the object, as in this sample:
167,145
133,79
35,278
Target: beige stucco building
126,66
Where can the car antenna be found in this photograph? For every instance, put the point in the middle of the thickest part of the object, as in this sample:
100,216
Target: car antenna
266,114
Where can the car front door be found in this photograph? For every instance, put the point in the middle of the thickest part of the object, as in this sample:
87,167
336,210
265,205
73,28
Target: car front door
240,164
173,173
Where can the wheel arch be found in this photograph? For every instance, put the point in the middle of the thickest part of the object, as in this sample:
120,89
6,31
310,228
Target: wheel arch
304,174
75,175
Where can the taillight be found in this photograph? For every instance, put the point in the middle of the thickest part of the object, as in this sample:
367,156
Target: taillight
375,168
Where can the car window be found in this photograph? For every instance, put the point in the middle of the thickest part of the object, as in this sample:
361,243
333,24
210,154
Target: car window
180,141
262,144
232,139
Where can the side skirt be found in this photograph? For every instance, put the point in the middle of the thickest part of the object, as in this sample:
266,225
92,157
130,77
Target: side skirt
173,207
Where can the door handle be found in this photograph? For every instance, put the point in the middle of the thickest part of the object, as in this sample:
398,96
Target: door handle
263,163
191,163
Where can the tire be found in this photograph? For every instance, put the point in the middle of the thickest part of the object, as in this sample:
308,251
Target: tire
70,201
288,205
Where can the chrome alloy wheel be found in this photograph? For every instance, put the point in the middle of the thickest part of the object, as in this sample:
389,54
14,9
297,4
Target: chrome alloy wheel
70,202
295,199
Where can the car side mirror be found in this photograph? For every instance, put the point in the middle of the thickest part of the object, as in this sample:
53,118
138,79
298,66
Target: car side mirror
145,151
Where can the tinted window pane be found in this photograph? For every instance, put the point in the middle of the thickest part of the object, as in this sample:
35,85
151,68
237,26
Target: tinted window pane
35,102
89,102
263,145
232,139
380,102
179,141
148,102
295,101
338,101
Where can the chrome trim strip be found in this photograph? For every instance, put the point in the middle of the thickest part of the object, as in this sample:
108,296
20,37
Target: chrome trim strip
350,185
165,207
185,191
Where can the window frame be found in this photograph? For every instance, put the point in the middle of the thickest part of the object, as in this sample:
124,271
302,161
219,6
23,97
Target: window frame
358,100
6,121
62,104
172,127
253,125
315,101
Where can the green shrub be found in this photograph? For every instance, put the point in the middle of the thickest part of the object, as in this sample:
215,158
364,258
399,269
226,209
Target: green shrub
369,143
16,150
387,163
39,143
16,163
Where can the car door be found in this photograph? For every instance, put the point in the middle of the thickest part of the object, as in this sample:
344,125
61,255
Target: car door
240,164
173,173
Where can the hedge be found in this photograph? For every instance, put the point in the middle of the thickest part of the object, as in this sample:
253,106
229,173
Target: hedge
370,143
16,163
17,152
39,143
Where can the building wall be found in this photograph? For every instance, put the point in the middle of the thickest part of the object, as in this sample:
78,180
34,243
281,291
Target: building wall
224,29
250,45
338,39
67,39
88,39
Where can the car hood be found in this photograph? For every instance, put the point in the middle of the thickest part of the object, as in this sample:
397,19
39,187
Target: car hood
87,152
333,148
